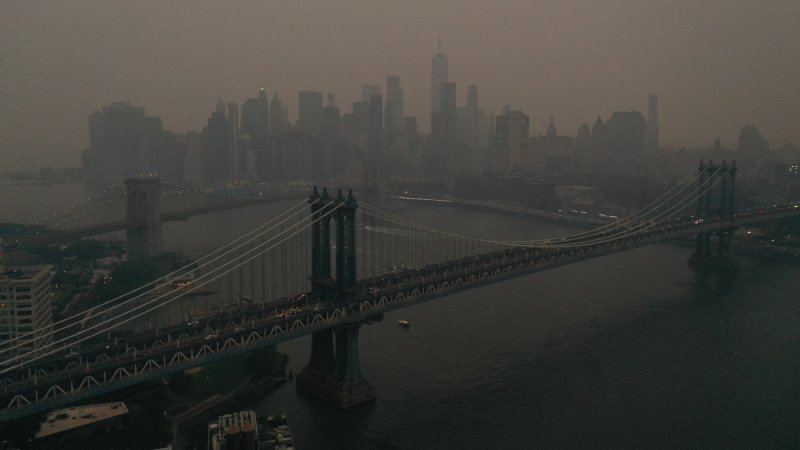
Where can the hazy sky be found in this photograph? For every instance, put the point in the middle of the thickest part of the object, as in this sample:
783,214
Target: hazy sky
716,64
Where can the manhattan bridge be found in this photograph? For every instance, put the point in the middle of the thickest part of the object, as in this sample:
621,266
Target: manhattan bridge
326,266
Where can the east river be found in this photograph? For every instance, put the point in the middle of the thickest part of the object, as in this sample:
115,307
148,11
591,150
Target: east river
633,350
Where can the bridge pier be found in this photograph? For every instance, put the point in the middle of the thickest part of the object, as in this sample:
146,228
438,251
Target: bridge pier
333,373
143,211
708,206
338,381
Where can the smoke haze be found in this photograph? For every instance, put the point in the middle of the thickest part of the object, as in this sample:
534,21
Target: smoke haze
715,64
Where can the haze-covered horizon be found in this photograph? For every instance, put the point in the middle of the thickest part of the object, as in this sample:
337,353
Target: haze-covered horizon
716,65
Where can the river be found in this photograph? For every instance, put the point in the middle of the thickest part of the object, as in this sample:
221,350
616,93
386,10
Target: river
632,350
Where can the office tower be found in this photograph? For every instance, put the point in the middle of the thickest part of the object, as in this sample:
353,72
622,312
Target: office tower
368,90
446,130
751,142
170,157
117,143
255,118
438,76
469,126
551,128
410,125
394,105
233,142
583,139
626,134
277,115
331,121
512,131
331,99
599,139
310,111
215,149
652,138
375,125
193,159
25,308
360,118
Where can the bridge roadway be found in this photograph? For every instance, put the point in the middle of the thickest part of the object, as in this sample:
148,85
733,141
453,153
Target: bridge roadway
150,356
55,236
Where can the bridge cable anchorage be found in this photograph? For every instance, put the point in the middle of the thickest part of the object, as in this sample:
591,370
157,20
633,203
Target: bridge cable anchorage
639,227
183,292
68,214
164,281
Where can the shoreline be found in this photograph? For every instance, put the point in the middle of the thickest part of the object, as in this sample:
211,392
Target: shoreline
188,423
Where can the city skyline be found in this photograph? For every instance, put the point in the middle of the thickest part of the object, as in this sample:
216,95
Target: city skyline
714,68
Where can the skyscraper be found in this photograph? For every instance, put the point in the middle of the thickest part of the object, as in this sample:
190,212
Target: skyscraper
652,138
375,125
368,90
277,119
626,134
310,111
446,130
394,105
116,141
215,149
255,115
512,130
438,76
331,121
233,142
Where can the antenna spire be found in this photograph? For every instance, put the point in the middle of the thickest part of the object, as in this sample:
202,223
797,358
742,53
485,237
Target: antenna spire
440,41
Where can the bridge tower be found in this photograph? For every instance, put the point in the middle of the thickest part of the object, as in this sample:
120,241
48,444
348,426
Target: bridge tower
333,372
718,201
143,214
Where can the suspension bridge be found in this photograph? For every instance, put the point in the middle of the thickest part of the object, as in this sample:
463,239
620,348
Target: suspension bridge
325,267
134,207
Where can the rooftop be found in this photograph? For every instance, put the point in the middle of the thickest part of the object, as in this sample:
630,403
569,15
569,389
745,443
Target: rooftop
78,416
22,272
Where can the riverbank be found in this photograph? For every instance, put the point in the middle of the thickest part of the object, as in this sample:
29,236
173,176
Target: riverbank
189,426
744,249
